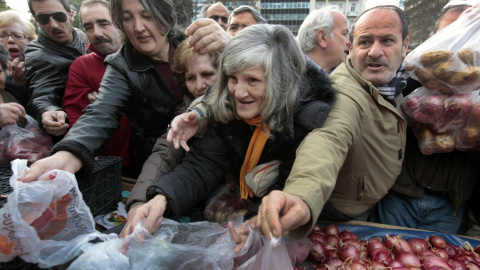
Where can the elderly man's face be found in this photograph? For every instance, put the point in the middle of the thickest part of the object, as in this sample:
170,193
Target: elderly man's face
219,13
377,49
241,21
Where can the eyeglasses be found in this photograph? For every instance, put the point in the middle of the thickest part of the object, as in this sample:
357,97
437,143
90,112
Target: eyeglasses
57,16
216,17
15,36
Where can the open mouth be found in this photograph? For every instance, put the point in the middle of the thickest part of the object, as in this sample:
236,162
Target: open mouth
13,50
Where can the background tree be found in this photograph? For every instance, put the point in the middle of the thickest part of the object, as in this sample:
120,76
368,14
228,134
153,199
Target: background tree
184,11
3,5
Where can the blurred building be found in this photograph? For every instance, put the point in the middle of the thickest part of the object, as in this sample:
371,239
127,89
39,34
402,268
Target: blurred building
422,15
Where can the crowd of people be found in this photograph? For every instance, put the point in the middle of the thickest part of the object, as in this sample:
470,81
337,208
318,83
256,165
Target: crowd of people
231,94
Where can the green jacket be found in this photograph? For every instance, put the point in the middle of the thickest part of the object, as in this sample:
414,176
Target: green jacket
355,158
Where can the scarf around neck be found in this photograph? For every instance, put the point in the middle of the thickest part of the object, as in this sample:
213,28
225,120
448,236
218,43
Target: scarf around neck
254,151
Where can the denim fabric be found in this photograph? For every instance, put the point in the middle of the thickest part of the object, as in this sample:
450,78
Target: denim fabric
432,212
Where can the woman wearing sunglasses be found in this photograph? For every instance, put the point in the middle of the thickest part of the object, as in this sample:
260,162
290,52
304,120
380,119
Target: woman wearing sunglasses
138,82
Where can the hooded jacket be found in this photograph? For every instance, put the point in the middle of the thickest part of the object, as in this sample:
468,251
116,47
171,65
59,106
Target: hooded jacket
223,147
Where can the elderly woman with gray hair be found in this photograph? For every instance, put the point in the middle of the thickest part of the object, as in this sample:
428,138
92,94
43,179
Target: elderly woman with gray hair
262,105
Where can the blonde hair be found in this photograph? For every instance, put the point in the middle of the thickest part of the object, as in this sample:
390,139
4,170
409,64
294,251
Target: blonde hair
9,16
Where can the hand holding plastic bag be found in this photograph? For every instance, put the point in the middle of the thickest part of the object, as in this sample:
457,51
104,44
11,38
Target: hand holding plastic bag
44,222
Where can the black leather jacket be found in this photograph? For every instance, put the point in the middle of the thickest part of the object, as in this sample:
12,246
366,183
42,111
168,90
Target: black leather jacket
46,70
223,147
133,86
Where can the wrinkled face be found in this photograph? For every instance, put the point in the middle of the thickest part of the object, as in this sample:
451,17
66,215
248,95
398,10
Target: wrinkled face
241,21
200,74
248,87
59,29
378,50
219,13
14,40
337,41
101,33
142,31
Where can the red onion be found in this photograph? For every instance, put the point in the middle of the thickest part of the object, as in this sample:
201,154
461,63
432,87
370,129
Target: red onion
437,241
334,263
451,250
471,266
434,261
374,244
317,252
382,255
331,229
317,228
319,266
414,268
400,268
395,264
332,241
349,252
426,253
353,242
477,248
457,265
357,266
376,265
441,253
317,237
346,234
418,244
409,259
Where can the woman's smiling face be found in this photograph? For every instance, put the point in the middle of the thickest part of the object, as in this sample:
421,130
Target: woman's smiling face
248,87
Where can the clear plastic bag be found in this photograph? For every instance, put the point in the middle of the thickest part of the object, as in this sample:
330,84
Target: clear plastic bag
30,142
44,222
449,61
224,204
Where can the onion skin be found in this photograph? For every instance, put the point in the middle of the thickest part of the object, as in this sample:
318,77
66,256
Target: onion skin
346,234
376,265
349,252
357,266
434,261
374,244
426,253
437,241
457,265
418,245
331,229
317,237
451,250
395,264
409,259
317,252
332,241
382,255
317,229
441,253
471,266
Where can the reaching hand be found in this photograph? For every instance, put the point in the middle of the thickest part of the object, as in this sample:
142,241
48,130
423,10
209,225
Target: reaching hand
240,235
280,213
16,68
61,160
207,36
54,122
183,127
153,212
92,97
10,113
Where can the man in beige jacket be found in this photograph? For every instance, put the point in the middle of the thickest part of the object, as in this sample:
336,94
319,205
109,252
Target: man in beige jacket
354,159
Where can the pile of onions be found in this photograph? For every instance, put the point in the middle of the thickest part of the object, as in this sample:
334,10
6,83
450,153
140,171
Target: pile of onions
334,250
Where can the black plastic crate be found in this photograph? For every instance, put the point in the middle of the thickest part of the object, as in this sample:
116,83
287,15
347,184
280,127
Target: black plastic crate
103,188
100,190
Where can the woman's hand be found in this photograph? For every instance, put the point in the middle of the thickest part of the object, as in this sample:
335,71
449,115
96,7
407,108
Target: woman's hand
54,122
280,213
16,68
10,113
207,36
153,212
61,160
241,234
183,127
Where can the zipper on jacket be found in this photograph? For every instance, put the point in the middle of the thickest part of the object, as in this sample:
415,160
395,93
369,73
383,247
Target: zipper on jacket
361,189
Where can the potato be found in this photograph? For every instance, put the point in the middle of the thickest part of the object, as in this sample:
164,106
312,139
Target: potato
436,85
469,56
445,70
465,76
433,142
469,136
433,57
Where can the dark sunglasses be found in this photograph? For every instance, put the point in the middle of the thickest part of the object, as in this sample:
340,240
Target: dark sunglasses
57,16
216,17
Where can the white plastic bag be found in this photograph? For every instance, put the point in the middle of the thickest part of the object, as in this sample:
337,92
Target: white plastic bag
45,222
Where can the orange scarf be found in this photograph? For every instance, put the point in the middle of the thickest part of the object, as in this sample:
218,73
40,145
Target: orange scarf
254,151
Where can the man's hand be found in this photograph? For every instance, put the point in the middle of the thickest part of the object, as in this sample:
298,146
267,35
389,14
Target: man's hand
280,213
207,36
183,127
16,68
240,235
92,97
10,113
152,210
54,122
61,160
